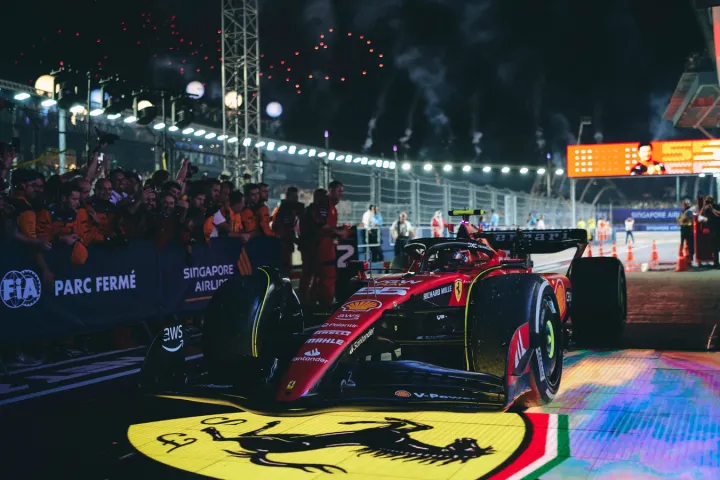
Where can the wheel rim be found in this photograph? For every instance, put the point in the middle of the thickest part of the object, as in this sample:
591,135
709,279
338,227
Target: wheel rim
549,344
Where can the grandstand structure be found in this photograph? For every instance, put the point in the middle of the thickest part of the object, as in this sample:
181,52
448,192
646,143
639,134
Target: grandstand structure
695,103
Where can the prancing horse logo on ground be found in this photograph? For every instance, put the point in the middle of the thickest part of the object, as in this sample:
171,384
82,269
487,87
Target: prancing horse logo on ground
389,439
256,446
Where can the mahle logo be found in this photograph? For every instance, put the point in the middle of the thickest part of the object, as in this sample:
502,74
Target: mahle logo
20,289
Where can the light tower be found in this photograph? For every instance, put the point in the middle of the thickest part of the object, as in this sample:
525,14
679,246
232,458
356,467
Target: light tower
241,74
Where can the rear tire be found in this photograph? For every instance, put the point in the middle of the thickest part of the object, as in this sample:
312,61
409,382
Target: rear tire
598,309
501,305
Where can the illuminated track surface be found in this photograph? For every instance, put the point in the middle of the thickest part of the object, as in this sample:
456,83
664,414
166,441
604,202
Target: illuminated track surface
634,413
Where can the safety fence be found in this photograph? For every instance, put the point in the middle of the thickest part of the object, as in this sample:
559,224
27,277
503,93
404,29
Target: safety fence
395,191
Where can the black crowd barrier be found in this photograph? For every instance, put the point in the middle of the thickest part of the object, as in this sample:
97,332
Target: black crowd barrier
117,286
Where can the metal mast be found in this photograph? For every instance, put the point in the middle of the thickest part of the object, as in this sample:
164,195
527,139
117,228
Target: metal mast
241,74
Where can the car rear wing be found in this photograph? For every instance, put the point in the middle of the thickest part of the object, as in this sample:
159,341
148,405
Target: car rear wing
523,242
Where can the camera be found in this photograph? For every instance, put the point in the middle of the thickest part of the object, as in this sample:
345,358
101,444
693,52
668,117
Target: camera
191,170
104,138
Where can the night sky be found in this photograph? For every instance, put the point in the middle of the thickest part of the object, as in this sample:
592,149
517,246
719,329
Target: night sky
503,68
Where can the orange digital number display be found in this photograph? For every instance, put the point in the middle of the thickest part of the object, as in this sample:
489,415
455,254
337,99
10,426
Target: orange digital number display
684,157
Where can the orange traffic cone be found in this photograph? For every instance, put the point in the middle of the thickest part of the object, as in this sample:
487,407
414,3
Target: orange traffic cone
654,257
614,250
589,250
686,254
630,254
600,251
682,265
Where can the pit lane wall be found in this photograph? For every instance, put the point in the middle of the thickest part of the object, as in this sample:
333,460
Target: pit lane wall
122,285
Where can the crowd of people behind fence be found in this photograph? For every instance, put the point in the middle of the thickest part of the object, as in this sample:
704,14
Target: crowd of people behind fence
69,212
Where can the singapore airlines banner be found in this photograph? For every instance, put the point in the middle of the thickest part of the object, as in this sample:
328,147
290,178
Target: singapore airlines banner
684,157
117,285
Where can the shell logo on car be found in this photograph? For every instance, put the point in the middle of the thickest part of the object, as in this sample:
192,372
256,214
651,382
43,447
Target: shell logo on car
433,444
361,305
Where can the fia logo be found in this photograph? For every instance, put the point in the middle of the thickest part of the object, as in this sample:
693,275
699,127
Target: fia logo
20,289
173,336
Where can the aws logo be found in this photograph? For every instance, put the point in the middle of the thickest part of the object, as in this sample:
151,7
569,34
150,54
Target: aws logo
245,445
173,338
20,289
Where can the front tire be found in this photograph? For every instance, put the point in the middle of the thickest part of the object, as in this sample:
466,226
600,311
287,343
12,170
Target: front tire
501,309
246,323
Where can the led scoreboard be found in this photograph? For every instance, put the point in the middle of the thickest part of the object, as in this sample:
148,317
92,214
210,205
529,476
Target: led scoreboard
684,157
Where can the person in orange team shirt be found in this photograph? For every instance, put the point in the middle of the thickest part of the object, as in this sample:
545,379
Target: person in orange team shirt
247,216
262,212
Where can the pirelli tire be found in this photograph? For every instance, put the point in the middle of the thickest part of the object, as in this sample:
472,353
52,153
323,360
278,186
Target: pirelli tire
598,309
499,306
245,322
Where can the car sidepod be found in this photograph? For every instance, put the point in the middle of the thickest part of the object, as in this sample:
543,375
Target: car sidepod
513,332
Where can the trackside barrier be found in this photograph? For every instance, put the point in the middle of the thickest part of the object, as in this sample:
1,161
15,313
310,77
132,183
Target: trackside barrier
120,286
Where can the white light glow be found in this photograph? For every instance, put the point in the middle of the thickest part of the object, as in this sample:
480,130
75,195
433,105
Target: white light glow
49,103
271,146
259,144
505,169
113,116
447,168
96,111
233,140
158,126
466,168
427,167
487,169
559,171
188,131
331,156
247,142
392,165
222,137
174,128
311,153
406,166
22,96
292,149
211,135
524,170
129,119
282,148
200,133
541,171
322,154
302,151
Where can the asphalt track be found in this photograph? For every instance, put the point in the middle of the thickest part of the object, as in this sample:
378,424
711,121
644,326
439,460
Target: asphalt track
650,410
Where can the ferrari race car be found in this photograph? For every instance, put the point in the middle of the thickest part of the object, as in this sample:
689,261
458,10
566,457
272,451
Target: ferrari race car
468,325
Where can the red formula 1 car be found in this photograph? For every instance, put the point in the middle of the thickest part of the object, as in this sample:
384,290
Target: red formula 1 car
469,325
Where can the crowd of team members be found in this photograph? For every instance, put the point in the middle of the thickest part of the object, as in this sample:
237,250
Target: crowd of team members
68,213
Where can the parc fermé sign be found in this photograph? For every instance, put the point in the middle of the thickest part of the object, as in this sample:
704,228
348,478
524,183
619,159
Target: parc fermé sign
118,286
115,286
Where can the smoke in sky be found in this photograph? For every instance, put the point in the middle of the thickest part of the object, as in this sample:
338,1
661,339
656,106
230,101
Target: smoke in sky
320,13
660,129
427,72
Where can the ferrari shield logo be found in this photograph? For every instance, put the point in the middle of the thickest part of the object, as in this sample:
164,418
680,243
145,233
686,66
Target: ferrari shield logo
458,289
241,445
